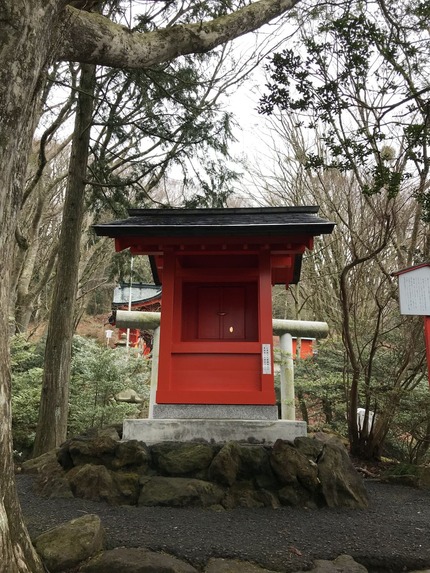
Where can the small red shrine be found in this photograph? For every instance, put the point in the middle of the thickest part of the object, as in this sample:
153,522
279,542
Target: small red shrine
136,296
217,268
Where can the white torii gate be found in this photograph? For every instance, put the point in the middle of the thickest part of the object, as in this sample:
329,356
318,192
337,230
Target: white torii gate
285,329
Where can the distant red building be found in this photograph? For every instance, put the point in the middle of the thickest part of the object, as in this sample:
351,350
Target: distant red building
137,296
307,345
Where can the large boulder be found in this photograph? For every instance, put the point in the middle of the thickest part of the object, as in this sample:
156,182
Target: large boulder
97,483
292,467
51,480
309,447
132,455
237,461
243,494
225,466
68,545
41,464
254,461
183,459
83,450
53,484
179,492
341,484
135,560
295,495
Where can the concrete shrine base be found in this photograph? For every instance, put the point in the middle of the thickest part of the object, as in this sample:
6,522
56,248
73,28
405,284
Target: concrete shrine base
215,411
153,431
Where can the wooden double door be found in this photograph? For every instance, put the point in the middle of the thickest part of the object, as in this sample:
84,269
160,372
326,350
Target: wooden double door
213,332
220,312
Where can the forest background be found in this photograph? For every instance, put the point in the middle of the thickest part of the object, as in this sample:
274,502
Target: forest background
346,127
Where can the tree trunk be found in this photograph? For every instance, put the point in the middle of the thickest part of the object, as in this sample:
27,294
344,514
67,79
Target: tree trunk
302,406
327,410
26,41
423,445
53,412
27,257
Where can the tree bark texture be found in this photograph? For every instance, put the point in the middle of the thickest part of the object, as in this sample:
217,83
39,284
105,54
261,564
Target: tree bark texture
92,38
26,258
27,43
53,411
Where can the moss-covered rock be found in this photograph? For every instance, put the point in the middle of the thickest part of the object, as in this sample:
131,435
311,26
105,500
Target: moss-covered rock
183,459
68,545
180,492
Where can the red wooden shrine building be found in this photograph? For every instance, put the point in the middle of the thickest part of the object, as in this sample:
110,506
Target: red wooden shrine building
217,268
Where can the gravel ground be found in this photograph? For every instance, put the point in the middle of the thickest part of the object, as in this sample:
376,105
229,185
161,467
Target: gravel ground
392,535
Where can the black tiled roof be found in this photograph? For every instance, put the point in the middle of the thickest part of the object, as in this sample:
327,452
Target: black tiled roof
215,222
139,293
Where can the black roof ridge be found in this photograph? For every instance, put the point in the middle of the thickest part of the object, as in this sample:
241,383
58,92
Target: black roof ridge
218,222
134,212
207,226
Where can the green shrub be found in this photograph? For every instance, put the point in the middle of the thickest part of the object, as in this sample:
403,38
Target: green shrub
98,374
320,389
409,437
27,372
401,469
26,355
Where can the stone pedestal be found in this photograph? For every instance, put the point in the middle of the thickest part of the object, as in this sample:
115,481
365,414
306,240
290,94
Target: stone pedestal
153,431
215,412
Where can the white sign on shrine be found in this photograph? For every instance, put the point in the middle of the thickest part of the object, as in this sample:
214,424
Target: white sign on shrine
414,290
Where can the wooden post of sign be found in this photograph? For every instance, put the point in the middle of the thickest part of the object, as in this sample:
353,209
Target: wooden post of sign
427,340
